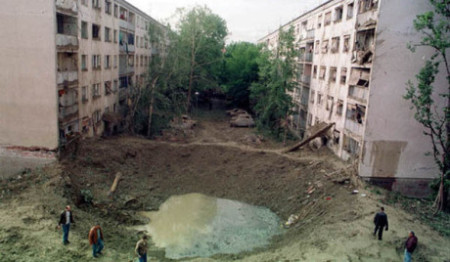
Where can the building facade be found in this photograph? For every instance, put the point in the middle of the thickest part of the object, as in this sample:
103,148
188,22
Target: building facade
353,67
70,63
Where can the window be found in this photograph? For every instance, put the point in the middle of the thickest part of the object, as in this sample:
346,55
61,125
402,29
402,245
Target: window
95,91
107,34
142,60
329,105
115,10
335,44
338,12
96,61
339,107
315,71
97,117
137,60
343,75
322,72
317,47
351,145
84,2
107,61
350,10
137,41
108,89
115,36
332,76
95,32
319,98
324,46
96,4
356,113
366,5
115,61
311,98
84,94
83,63
309,119
131,60
327,18
346,46
84,30
319,21
108,6
115,86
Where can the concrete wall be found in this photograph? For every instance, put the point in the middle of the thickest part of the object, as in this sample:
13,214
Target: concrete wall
395,146
28,100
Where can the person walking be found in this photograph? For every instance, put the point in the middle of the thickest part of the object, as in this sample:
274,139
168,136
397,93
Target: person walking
410,246
380,221
65,219
141,249
96,240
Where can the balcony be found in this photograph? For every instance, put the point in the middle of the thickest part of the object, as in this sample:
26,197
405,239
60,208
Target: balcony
305,79
367,20
309,34
67,5
127,48
358,93
308,57
68,113
354,127
126,25
126,70
67,77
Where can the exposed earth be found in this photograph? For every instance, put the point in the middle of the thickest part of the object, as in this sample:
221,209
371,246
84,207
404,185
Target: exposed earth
215,160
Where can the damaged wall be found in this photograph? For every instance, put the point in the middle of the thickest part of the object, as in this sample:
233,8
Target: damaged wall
395,146
28,100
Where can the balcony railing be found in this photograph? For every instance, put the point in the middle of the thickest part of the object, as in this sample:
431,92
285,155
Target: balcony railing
309,34
123,70
66,77
66,41
127,48
68,113
354,127
367,20
67,5
358,93
126,25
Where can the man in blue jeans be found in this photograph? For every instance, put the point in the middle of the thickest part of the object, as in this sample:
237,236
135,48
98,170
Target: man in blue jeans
410,246
65,219
141,249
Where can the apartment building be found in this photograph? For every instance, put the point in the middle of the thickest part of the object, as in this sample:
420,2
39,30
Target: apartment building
67,69
353,67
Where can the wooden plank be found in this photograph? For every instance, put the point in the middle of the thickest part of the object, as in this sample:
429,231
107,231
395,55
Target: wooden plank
307,140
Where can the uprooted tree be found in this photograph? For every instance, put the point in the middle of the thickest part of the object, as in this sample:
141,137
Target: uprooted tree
434,117
276,77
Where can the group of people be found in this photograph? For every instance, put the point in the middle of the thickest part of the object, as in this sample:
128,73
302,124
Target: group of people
95,236
381,223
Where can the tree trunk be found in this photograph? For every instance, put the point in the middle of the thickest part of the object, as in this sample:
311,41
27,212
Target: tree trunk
191,76
150,108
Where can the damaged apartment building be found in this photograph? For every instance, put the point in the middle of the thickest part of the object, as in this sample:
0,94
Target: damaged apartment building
67,69
353,66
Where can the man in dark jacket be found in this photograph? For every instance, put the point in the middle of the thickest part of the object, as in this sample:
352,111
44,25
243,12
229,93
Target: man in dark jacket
65,219
410,245
380,222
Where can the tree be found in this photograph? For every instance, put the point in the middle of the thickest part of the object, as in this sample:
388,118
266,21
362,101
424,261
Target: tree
435,28
202,40
276,76
240,70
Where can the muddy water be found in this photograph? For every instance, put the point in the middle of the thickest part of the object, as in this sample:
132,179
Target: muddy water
196,225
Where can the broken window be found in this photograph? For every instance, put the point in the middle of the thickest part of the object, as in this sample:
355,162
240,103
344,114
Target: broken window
339,107
324,46
346,43
84,94
327,18
343,75
108,6
350,10
96,4
96,61
322,72
317,46
351,145
335,44
315,71
95,32
329,105
359,77
319,98
364,45
83,63
338,11
319,21
311,100
356,113
66,25
107,34
115,86
108,89
84,30
95,91
333,73
97,117
366,5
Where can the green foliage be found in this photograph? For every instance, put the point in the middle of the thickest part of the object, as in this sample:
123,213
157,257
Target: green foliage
276,76
434,27
240,70
87,196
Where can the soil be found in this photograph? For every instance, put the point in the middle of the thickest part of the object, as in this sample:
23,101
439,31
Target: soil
216,160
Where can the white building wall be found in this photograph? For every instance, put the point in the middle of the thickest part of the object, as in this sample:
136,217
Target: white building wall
28,100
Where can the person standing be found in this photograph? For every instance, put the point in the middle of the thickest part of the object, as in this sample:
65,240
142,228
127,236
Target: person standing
141,249
96,240
410,245
380,221
65,219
